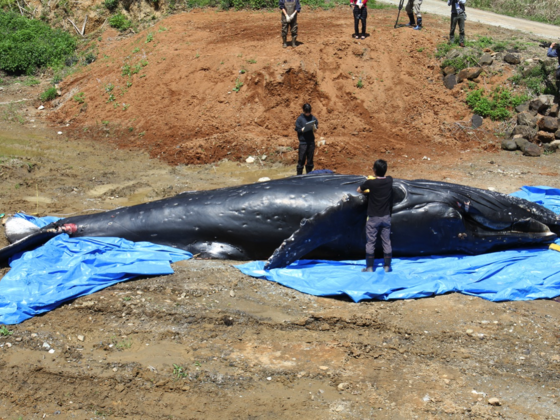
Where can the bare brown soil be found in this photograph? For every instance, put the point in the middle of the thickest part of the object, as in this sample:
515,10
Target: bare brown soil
181,105
208,342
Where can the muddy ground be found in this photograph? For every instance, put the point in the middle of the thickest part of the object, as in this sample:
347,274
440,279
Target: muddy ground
208,342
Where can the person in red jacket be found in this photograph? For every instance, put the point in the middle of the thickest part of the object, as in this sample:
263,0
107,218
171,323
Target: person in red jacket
360,13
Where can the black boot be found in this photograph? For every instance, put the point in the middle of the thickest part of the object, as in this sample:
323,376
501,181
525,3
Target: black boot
284,41
387,264
369,264
412,23
294,43
308,168
299,171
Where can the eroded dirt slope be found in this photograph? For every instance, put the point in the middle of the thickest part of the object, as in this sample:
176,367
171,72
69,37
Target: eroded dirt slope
174,95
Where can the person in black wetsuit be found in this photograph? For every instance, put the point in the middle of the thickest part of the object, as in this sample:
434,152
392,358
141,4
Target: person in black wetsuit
306,140
380,203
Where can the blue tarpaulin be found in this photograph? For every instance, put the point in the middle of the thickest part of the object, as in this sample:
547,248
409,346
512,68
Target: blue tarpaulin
66,268
521,274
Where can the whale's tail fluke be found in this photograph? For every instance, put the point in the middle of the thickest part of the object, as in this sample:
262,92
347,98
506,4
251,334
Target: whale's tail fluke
24,236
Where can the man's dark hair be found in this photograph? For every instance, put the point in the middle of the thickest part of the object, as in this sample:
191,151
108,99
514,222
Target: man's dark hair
307,108
380,167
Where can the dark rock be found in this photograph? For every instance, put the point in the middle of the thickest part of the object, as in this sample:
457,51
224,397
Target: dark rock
485,60
542,103
549,124
476,121
512,58
521,142
522,108
449,70
532,149
228,320
508,144
553,110
545,137
550,148
525,118
450,81
557,134
525,131
469,73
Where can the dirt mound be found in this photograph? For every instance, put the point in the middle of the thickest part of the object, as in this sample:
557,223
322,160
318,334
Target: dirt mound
203,86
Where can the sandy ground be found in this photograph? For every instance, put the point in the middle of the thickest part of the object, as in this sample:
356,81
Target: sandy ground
208,342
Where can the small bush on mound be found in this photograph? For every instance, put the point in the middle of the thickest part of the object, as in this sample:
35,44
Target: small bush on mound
496,104
111,4
120,22
26,44
49,94
537,79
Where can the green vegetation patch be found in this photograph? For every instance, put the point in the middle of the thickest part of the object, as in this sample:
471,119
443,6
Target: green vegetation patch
120,22
496,103
26,45
536,77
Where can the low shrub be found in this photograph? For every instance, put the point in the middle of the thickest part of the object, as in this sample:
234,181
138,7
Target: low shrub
111,4
49,94
27,44
120,22
495,104
537,79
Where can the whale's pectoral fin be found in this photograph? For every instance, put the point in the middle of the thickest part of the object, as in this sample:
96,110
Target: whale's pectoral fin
331,224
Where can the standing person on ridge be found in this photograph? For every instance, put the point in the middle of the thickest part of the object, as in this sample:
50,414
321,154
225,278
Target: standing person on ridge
360,13
458,15
380,203
553,52
290,10
413,8
306,139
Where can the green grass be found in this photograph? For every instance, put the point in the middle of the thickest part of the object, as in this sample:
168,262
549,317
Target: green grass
80,97
238,85
495,104
124,345
4,331
474,50
11,112
537,79
49,94
32,82
179,371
